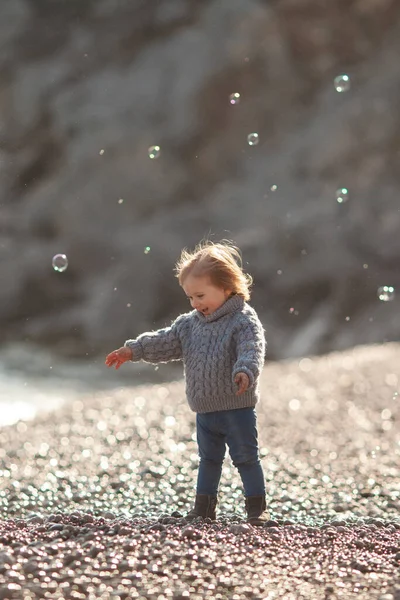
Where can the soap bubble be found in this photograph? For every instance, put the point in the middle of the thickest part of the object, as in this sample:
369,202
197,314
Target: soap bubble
147,249
60,262
273,188
252,139
294,404
101,152
386,293
234,98
154,151
342,83
120,201
342,195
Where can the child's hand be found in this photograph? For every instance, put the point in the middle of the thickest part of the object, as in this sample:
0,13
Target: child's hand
243,381
118,357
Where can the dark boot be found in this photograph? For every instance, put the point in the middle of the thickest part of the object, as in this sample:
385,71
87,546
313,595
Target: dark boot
204,507
256,508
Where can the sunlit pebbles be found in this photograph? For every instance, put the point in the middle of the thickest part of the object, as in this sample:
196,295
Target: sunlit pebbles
92,499
60,262
234,98
386,293
342,83
253,139
154,152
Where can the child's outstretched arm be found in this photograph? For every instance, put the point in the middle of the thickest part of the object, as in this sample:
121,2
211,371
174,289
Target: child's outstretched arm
118,357
158,346
250,349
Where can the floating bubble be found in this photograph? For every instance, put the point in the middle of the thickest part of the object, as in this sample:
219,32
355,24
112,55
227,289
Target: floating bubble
120,201
386,293
147,249
101,152
234,98
273,188
342,195
154,152
294,404
252,139
342,83
60,262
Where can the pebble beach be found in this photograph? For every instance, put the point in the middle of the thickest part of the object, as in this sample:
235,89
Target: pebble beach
93,494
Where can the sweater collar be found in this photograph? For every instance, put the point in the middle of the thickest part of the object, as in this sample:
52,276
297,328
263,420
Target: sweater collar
233,304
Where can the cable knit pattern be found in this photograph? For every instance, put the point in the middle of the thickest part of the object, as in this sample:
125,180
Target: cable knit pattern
213,348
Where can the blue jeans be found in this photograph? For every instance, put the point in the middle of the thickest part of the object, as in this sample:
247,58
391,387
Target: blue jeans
238,429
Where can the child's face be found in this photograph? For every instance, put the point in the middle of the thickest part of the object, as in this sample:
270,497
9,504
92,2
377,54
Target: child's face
203,295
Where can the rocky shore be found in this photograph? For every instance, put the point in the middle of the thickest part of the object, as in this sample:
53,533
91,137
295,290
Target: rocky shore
88,88
92,495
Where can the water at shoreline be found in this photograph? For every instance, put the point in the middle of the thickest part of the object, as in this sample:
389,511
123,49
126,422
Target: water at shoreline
33,380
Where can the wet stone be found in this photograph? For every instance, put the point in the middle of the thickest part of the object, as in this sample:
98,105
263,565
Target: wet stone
240,528
35,519
54,518
56,527
191,533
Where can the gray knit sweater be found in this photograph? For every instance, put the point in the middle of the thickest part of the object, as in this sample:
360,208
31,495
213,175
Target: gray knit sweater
213,348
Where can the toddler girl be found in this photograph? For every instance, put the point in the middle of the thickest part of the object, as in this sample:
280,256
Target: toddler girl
221,343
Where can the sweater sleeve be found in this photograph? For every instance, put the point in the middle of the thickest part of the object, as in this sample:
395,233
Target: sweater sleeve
250,349
159,346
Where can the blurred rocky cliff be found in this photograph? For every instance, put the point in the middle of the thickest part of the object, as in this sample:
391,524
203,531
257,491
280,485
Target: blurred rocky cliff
87,87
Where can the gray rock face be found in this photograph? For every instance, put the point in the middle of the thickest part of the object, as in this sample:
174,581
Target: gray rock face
87,88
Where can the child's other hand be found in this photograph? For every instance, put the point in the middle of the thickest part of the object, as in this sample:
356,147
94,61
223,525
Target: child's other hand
242,380
118,357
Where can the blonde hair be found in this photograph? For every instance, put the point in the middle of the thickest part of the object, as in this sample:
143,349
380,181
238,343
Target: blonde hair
222,262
